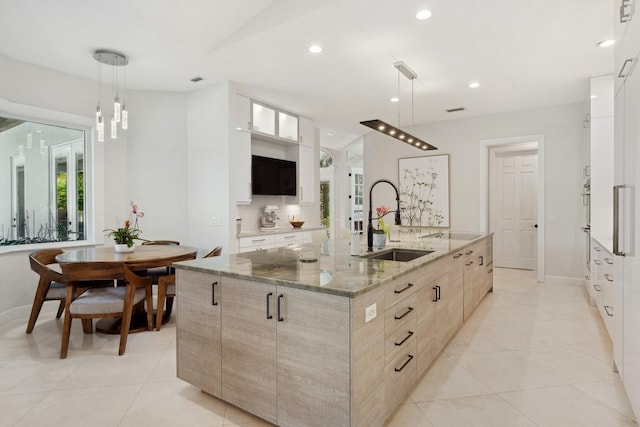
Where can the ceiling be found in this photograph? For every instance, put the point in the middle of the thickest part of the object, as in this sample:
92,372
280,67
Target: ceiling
524,53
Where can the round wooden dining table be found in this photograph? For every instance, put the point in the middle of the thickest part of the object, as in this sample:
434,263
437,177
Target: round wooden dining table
142,258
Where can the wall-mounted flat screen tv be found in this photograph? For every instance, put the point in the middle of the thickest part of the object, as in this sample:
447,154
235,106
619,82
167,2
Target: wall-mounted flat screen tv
273,177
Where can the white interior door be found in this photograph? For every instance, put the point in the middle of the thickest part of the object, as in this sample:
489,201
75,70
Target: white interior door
514,209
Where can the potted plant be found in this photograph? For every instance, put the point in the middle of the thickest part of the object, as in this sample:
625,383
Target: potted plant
381,231
124,236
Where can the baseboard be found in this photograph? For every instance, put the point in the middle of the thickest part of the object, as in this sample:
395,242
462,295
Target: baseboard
564,280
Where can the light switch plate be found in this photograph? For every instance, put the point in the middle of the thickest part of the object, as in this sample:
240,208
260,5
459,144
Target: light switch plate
370,313
215,221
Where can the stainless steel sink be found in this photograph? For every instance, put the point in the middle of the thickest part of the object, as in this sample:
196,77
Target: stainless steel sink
398,254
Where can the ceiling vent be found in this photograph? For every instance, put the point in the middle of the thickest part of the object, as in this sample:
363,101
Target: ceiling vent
453,110
196,79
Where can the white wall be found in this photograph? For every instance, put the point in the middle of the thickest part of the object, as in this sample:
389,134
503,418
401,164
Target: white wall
566,141
208,172
146,164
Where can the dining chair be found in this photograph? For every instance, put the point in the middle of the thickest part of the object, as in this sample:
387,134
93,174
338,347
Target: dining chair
156,272
50,285
98,303
167,290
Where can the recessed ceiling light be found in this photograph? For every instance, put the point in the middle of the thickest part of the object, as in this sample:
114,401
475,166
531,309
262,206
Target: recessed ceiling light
392,132
315,48
423,14
594,96
381,127
606,43
329,134
474,85
394,99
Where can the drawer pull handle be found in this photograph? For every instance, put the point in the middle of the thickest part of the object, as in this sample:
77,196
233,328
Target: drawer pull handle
481,260
213,293
289,237
257,240
597,262
597,288
280,318
597,249
405,339
409,310
435,288
607,308
609,261
622,74
409,285
469,263
458,256
608,277
269,316
405,363
624,16
468,252
490,271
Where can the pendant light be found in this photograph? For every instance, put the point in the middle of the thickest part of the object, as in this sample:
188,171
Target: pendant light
120,113
394,131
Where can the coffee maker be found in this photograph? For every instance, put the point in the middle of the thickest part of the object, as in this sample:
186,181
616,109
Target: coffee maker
269,218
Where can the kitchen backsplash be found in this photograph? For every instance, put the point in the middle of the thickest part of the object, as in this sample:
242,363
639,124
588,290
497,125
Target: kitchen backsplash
252,213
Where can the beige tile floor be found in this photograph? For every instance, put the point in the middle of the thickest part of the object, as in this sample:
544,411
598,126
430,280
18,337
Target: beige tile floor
531,355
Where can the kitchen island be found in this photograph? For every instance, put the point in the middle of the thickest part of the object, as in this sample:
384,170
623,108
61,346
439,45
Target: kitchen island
310,335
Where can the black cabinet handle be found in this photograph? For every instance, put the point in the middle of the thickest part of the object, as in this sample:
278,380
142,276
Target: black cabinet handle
458,256
469,263
481,260
409,285
404,339
609,261
438,292
280,318
606,308
269,316
409,310
469,252
213,293
435,288
597,288
597,262
405,363
608,277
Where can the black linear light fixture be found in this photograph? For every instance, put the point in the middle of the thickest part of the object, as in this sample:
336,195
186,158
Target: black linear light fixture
394,131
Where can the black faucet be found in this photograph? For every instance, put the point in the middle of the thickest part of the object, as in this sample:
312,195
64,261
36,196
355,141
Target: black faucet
369,223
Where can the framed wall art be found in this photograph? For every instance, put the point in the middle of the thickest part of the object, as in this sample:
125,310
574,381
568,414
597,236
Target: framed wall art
424,191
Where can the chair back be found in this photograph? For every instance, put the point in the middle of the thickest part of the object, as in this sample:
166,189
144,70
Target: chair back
40,261
161,242
92,271
217,251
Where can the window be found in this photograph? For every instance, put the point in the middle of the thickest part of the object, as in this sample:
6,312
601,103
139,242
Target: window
45,185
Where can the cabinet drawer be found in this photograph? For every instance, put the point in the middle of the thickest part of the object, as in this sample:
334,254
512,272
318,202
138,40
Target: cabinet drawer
297,237
256,241
401,315
400,375
400,341
399,289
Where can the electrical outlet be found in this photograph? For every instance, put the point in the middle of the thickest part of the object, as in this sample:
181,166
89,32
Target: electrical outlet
216,221
370,313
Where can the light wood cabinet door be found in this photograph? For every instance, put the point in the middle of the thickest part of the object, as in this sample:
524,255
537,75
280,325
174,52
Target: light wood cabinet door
449,310
198,346
249,343
426,326
313,336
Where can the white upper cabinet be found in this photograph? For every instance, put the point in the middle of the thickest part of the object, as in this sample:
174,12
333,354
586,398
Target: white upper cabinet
307,132
307,167
274,123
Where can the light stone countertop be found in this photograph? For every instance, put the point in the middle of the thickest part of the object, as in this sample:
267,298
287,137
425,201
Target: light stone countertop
336,271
